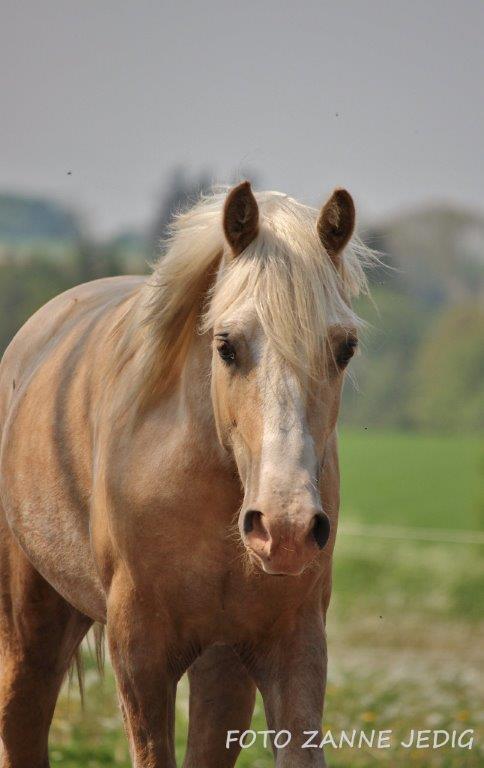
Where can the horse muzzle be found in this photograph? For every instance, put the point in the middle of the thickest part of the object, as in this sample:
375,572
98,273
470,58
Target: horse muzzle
283,545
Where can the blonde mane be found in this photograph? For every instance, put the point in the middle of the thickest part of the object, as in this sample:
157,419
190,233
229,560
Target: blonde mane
296,291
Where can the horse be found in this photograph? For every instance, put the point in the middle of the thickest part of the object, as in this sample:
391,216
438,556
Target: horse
169,469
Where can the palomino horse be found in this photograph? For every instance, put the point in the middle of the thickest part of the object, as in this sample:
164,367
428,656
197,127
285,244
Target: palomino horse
169,468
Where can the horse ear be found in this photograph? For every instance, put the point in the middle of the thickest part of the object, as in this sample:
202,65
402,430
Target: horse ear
336,224
241,217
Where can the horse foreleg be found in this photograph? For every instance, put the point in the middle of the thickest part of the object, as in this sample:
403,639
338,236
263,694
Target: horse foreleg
39,633
222,698
146,679
291,675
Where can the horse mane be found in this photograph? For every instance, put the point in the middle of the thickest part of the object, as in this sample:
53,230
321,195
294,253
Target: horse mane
297,292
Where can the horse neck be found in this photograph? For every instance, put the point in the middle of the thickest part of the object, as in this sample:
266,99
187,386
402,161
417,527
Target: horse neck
188,400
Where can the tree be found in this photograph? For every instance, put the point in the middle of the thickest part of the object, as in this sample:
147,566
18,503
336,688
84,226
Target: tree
180,192
449,372
381,376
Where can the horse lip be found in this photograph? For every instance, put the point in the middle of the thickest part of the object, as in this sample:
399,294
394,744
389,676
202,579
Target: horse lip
259,561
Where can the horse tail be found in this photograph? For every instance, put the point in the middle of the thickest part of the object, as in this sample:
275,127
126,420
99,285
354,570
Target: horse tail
76,667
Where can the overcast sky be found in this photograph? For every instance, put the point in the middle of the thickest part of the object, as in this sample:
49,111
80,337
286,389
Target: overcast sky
385,97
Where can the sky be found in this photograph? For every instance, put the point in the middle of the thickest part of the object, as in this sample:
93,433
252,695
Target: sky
384,97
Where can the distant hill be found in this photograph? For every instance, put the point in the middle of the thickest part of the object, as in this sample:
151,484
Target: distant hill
438,252
25,219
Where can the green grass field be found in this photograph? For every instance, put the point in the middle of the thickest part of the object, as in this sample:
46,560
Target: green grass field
416,480
405,629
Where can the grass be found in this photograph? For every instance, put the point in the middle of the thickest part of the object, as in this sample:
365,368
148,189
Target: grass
410,479
405,629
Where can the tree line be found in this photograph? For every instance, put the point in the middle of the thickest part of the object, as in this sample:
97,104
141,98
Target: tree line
421,364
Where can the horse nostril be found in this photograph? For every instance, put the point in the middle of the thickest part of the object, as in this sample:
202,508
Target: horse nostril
321,529
251,518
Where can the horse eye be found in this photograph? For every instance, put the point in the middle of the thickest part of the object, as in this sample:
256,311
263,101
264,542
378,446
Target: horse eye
226,352
346,352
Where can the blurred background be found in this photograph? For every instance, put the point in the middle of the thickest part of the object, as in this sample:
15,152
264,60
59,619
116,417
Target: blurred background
115,114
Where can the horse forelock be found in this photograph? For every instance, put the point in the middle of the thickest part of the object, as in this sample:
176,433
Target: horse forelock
295,289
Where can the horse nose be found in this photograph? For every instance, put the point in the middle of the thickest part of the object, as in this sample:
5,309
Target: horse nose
285,545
